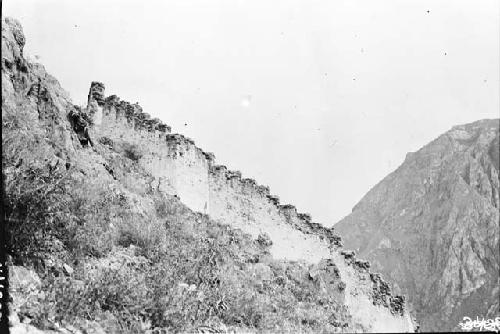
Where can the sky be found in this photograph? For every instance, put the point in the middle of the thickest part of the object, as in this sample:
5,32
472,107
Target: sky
319,100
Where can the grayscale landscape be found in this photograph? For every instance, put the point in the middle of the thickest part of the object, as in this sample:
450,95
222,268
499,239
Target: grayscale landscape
116,221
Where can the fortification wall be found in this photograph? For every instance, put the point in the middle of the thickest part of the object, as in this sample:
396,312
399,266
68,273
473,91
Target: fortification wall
180,168
244,204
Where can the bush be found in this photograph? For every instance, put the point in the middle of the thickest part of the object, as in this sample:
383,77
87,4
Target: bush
36,181
141,232
132,151
106,141
119,291
264,240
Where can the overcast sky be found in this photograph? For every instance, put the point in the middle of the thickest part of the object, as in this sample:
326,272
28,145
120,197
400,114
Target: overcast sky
317,99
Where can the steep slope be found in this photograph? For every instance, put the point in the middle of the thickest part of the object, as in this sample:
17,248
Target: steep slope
117,224
432,227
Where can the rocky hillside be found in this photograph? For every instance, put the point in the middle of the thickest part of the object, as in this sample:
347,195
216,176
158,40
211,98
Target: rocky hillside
432,227
117,225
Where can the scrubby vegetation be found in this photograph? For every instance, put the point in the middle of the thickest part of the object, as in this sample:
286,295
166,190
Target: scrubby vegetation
140,259
131,151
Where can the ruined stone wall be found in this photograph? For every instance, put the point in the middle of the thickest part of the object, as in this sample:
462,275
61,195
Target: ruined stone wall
180,168
249,206
243,204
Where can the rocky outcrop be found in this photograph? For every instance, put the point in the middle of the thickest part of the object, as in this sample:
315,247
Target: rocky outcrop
81,123
28,86
432,227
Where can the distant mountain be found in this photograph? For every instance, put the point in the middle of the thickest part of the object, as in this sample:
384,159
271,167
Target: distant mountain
432,227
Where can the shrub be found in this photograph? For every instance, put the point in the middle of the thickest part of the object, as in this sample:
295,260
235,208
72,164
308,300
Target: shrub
164,207
35,200
264,240
132,151
141,232
120,291
106,141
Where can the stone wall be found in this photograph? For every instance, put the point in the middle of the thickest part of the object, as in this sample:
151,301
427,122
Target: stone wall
180,168
249,206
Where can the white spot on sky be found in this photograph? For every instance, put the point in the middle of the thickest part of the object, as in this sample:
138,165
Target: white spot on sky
245,101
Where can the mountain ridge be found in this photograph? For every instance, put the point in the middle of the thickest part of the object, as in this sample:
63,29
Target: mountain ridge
431,226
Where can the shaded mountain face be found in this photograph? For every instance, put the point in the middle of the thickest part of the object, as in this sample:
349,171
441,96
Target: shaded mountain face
432,227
